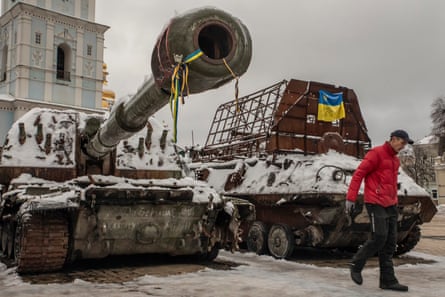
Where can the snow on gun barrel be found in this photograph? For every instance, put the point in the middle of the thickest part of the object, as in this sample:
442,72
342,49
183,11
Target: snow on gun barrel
85,186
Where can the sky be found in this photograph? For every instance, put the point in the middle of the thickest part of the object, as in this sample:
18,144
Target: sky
391,52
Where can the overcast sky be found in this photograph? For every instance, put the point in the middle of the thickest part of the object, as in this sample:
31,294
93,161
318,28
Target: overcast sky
391,52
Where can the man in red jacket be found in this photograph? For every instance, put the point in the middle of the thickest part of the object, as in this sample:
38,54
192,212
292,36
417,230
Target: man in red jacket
379,169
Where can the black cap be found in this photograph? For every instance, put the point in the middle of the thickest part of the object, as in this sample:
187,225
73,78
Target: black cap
402,134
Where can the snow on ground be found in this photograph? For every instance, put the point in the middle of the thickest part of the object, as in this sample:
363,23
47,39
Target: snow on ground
257,276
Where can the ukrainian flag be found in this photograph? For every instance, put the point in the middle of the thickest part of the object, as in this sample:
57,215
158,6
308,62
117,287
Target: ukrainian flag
330,106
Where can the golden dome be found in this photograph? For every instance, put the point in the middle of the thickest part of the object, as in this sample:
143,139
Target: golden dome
109,94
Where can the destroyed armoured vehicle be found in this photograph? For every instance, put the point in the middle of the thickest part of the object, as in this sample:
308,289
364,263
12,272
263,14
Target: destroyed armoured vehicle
84,186
295,168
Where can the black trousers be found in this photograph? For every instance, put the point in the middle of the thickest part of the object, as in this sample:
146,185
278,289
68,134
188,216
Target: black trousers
382,242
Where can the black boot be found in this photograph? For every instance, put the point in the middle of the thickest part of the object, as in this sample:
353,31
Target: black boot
394,287
356,275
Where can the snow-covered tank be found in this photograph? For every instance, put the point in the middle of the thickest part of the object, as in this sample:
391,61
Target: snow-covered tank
271,148
82,186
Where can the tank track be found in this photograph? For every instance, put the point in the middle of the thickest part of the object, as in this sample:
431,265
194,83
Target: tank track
41,243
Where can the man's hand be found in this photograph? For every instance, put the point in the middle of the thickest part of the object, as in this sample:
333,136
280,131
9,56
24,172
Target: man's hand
349,206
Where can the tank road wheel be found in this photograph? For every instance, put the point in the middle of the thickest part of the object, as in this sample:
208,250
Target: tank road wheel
208,256
41,243
281,241
8,239
213,253
409,242
257,238
4,239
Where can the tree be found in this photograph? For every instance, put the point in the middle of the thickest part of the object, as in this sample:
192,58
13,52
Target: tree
419,166
438,119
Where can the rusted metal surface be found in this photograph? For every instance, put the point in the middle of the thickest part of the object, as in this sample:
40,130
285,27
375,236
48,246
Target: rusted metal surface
283,118
296,125
146,174
61,174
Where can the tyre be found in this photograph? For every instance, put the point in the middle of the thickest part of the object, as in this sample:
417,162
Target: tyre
257,238
209,255
281,241
409,242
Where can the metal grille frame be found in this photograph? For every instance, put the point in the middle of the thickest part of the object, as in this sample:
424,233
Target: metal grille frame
242,128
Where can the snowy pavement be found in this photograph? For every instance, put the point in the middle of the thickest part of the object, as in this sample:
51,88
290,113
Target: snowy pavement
253,275
256,276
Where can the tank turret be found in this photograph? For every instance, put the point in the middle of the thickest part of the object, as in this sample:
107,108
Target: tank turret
84,186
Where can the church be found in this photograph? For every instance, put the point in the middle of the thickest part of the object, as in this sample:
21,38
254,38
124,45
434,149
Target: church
51,56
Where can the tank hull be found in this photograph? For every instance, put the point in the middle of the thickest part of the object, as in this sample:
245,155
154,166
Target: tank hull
47,226
302,204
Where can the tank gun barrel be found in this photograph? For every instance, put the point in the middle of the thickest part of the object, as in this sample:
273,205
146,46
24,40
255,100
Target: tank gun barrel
218,37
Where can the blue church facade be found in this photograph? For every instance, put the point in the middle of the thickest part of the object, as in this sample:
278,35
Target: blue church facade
51,55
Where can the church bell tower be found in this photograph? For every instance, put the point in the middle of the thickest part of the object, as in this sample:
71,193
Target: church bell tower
51,55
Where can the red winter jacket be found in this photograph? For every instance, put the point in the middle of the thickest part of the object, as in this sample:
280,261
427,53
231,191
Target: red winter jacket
379,168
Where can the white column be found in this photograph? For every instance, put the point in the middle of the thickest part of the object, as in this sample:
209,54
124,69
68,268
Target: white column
99,66
23,58
10,63
92,10
78,9
79,67
49,61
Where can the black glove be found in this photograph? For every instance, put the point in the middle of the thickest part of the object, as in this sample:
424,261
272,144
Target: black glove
349,206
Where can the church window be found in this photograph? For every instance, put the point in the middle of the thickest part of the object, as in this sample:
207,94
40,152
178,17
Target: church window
434,193
63,62
3,63
89,50
38,38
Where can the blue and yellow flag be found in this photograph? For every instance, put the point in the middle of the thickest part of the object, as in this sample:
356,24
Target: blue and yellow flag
330,106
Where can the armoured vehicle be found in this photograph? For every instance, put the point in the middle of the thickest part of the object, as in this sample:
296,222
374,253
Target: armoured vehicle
275,152
83,186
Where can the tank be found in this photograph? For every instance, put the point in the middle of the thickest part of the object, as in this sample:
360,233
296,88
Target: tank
86,186
296,169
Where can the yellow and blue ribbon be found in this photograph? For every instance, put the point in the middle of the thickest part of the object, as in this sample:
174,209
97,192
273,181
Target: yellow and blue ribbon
179,83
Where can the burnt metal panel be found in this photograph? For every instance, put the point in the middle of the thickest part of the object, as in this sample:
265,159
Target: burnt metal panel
48,173
275,120
148,174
